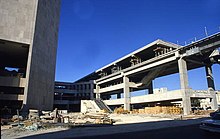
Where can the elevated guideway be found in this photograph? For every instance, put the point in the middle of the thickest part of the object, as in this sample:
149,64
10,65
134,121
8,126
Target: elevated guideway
137,71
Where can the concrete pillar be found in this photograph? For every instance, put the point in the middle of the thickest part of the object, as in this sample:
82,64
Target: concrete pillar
118,95
150,88
98,96
127,97
211,86
184,86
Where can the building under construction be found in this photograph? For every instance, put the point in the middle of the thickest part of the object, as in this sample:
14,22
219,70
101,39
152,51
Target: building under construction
137,70
68,95
28,45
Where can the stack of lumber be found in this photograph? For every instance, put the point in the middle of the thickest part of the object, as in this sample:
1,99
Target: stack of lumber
120,110
158,110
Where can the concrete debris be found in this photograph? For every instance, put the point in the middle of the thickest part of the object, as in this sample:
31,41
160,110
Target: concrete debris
93,118
16,118
46,119
33,114
33,126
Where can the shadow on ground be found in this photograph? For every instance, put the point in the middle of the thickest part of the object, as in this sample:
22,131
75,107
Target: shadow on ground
171,129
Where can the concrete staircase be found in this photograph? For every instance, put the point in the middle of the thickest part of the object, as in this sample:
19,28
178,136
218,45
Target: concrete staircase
94,106
102,105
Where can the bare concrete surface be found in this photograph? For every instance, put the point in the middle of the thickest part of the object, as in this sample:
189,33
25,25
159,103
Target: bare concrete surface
124,124
181,132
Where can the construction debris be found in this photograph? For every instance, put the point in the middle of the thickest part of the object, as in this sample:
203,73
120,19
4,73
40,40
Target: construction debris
16,118
201,112
33,114
45,119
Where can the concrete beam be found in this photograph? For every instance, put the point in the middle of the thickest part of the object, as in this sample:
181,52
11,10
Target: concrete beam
148,66
147,80
111,88
11,97
109,79
12,81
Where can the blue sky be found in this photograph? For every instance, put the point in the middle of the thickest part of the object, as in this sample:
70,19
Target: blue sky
94,33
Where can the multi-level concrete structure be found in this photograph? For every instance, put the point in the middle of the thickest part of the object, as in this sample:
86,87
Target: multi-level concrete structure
137,70
28,45
68,95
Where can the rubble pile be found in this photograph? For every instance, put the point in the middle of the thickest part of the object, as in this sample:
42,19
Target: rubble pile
95,118
46,119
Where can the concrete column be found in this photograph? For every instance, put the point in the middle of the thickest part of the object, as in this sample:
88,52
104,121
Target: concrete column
127,97
98,96
150,88
211,86
184,86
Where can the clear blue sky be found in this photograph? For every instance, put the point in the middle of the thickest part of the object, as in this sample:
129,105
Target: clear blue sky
94,33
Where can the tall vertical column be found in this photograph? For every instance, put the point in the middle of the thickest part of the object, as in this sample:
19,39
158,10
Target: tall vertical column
150,88
127,97
184,86
98,96
211,86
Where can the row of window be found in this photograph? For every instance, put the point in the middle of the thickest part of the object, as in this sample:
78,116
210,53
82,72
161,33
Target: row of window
74,87
71,95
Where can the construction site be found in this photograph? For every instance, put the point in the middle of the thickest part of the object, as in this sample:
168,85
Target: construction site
32,104
91,94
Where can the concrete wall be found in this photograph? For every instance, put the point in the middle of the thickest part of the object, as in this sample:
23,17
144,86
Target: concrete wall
17,20
218,97
12,81
42,56
33,22
163,96
89,106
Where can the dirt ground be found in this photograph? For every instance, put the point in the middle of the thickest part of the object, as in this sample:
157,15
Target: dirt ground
120,119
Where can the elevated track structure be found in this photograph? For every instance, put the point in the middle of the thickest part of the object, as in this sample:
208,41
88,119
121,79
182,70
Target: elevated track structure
137,70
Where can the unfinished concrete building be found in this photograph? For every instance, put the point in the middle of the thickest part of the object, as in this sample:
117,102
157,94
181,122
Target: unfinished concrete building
137,70
67,95
28,45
